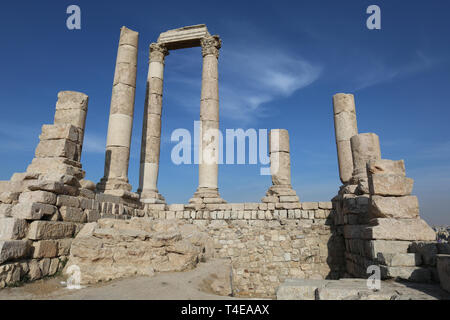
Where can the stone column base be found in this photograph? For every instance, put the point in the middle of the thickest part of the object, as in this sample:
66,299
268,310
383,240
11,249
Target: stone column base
280,193
151,196
206,195
106,185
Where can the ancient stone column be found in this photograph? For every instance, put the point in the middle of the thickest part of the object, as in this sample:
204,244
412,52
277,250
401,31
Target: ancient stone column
280,168
345,127
209,118
121,115
151,132
365,147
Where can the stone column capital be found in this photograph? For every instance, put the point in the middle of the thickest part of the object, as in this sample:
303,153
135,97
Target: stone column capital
158,52
211,45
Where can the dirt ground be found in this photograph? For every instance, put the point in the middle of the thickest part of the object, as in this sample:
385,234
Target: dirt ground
189,285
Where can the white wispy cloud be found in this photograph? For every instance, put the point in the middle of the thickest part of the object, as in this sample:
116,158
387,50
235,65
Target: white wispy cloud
248,79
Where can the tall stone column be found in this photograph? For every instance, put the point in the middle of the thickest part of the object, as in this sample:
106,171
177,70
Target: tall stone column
345,127
121,115
151,132
365,147
208,191
280,168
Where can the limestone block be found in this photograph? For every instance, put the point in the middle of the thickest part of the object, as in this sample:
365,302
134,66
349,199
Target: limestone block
5,210
280,168
310,205
13,250
87,184
43,230
127,54
45,185
443,268
44,249
57,148
69,201
117,162
155,88
126,74
345,160
64,245
37,196
326,205
289,199
154,105
122,99
72,214
372,248
32,210
128,37
394,207
209,109
69,100
414,274
12,228
390,185
60,131
384,166
210,89
153,128
210,68
365,147
343,102
399,229
345,126
119,130
399,259
184,37
279,140
61,166
76,117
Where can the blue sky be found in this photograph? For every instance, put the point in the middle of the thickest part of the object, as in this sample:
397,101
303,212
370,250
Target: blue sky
279,66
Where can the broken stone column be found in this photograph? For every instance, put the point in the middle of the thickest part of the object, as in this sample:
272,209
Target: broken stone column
345,127
208,191
60,146
151,132
365,147
280,168
121,115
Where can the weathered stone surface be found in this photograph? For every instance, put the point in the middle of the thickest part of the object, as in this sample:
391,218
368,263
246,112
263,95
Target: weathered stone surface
304,289
185,37
5,210
57,148
443,267
9,197
60,131
32,211
13,249
399,259
390,185
384,166
415,274
43,230
45,249
37,196
87,184
398,229
71,214
365,147
394,207
111,249
12,228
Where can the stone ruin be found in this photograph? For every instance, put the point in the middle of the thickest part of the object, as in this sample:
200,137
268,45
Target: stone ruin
50,214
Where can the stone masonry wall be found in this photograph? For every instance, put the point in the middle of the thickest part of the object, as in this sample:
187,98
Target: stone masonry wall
267,243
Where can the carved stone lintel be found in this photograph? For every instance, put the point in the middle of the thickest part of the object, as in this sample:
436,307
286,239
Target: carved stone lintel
211,45
158,52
